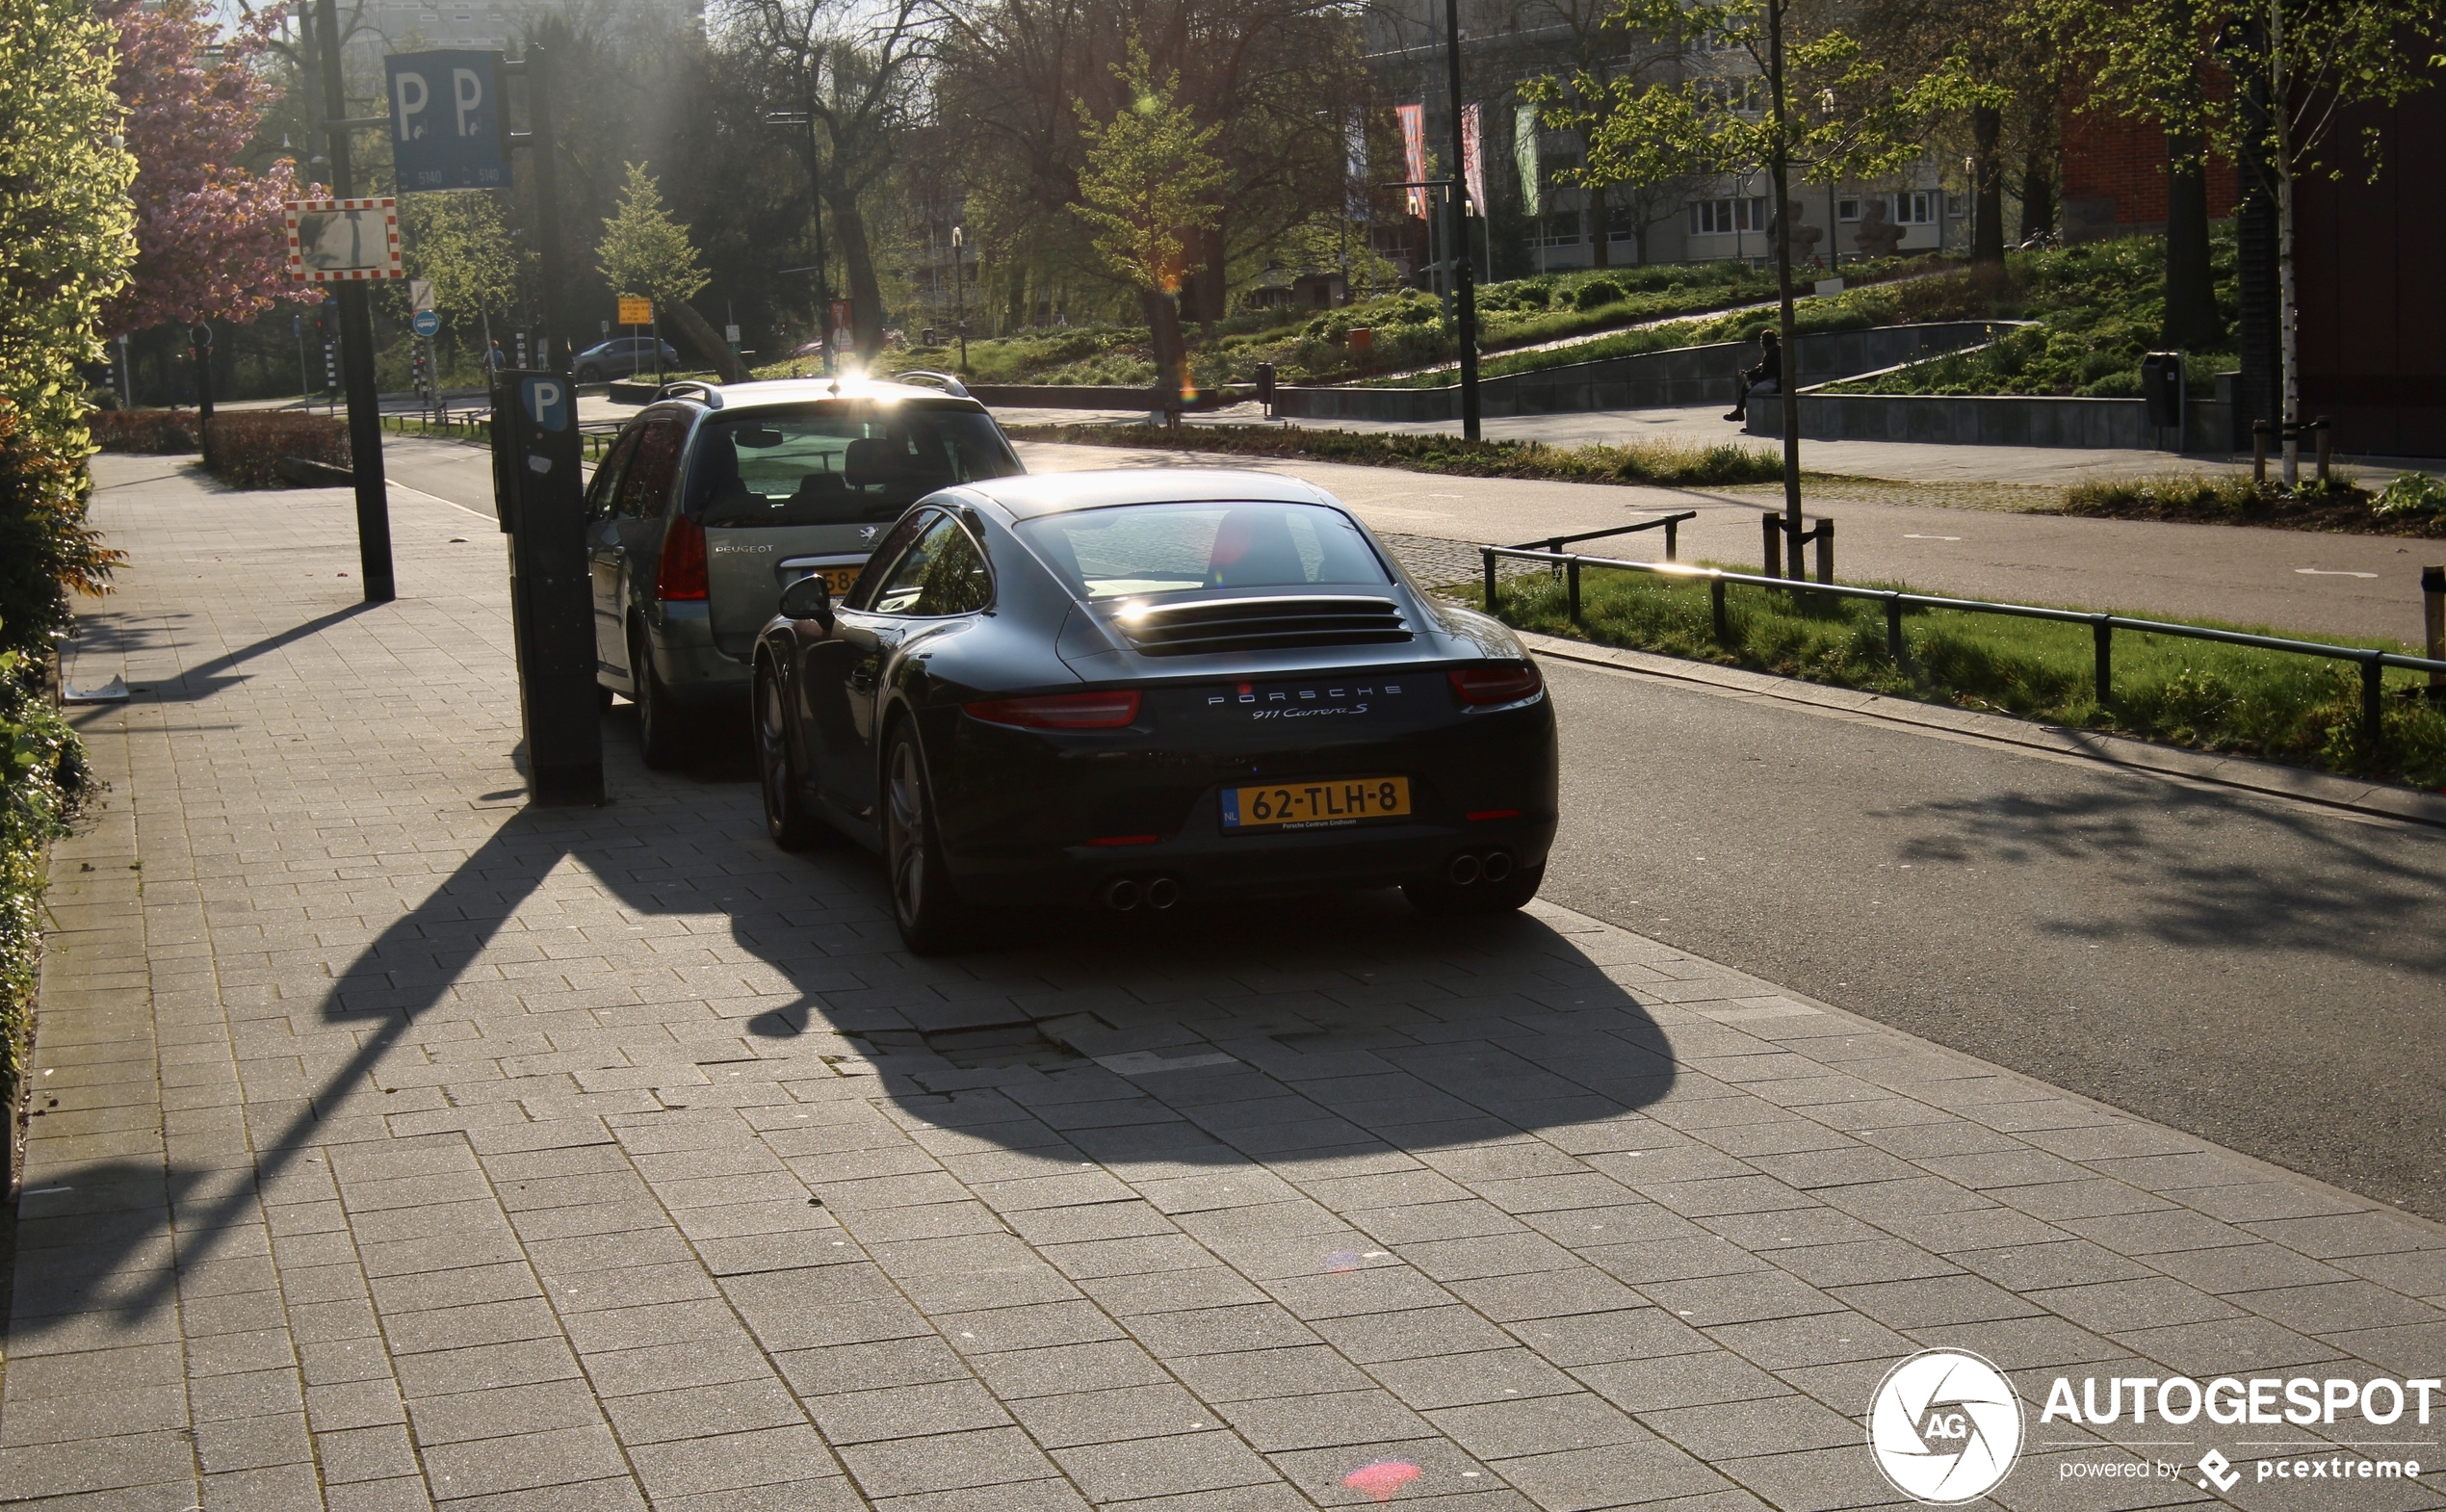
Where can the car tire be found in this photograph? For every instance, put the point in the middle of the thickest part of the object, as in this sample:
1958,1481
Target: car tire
1442,898
662,739
789,823
924,906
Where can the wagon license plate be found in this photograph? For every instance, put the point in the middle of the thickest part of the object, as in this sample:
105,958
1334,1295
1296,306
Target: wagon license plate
837,581
1315,805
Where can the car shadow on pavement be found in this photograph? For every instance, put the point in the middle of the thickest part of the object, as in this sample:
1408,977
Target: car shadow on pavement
1324,1029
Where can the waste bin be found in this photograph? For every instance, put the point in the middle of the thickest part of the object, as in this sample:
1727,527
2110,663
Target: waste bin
2162,389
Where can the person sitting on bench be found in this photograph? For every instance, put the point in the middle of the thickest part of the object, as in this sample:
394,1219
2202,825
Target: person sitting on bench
1765,378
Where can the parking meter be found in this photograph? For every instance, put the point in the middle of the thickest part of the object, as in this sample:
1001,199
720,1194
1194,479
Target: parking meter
540,497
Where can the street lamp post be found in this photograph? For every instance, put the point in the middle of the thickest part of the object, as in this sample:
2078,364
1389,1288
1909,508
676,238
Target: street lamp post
1465,302
814,213
959,293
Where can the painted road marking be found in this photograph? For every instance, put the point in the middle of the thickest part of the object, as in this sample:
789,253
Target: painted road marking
2325,572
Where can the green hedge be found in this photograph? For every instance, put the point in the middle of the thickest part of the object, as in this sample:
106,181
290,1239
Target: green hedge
249,444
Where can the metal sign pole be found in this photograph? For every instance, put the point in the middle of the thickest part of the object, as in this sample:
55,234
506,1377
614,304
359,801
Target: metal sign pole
1465,297
356,340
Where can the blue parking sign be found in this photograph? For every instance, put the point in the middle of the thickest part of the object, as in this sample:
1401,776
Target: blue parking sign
448,129
547,402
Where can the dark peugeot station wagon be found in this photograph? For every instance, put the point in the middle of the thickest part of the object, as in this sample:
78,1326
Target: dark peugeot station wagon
715,499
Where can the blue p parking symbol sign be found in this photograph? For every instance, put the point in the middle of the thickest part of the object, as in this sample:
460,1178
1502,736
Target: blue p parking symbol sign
546,401
447,126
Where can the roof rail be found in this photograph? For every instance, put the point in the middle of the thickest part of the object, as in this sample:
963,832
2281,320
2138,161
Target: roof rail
950,385
711,394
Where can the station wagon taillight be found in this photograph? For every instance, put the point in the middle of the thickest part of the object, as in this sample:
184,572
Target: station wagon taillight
682,573
1108,711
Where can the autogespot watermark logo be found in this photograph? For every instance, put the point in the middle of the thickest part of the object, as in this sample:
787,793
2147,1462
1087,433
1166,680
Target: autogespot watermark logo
1946,1426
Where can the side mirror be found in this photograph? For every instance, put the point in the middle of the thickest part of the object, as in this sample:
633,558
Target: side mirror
808,599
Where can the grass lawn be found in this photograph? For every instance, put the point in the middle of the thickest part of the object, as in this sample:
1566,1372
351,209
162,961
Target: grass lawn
2300,710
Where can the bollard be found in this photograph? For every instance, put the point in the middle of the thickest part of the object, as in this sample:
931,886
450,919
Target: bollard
2259,454
1771,545
2433,612
1489,555
1670,544
1571,571
1894,647
1824,534
2320,423
2102,629
1715,603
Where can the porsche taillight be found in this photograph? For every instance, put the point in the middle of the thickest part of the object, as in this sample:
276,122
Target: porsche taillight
682,573
1491,685
1104,711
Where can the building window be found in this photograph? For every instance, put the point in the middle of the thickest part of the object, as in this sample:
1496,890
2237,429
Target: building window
1916,207
1726,216
1847,210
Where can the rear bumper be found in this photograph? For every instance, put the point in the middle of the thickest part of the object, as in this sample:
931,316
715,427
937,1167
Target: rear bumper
1020,812
693,669
1218,866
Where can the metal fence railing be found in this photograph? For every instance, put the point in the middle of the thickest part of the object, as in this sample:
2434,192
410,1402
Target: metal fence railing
2102,627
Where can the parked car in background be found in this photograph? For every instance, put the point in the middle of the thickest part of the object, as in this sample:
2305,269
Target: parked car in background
713,499
1124,689
623,356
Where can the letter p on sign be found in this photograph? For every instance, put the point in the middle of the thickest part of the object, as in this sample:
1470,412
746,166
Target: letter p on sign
471,149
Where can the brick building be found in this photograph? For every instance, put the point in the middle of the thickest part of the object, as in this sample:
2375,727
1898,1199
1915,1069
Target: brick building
2115,175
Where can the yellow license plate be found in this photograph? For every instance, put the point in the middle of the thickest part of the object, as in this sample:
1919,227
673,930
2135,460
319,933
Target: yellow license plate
1320,805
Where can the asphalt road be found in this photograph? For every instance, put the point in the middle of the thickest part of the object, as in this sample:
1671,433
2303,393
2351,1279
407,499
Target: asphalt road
2264,973
2261,973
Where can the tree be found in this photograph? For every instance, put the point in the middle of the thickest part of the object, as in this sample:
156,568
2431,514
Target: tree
66,236
643,250
850,70
209,239
2295,66
458,242
1151,185
1811,103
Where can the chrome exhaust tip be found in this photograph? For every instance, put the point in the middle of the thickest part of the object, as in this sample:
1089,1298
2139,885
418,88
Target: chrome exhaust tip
1498,866
1463,869
1162,893
1121,894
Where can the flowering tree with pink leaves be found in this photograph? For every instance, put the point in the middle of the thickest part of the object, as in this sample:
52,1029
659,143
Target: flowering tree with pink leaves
209,239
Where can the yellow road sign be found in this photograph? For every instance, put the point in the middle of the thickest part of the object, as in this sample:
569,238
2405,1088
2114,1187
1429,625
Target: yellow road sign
634,311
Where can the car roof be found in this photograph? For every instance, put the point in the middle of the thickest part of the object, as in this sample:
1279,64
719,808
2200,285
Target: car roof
786,392
1026,496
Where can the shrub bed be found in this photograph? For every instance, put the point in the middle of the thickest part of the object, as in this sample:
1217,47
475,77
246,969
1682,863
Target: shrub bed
161,432
2413,505
2294,709
248,444
1658,463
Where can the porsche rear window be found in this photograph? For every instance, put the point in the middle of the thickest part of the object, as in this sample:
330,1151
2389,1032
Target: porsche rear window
1161,548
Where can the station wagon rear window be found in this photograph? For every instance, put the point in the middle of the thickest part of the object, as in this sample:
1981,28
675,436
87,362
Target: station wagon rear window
1161,548
838,463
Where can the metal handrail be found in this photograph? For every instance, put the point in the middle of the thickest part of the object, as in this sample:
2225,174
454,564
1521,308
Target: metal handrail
2103,626
1671,522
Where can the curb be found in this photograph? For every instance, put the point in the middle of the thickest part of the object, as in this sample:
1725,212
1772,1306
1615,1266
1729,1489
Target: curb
2383,801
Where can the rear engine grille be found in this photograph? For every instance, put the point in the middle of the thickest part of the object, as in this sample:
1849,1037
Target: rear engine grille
1265,624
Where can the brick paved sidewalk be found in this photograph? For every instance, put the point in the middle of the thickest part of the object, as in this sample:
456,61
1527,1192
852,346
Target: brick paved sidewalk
398,1147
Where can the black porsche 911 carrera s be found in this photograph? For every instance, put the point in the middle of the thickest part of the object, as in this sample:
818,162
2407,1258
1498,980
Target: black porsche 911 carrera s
1124,689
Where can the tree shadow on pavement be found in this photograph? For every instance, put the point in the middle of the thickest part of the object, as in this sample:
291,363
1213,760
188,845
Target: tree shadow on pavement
2185,858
